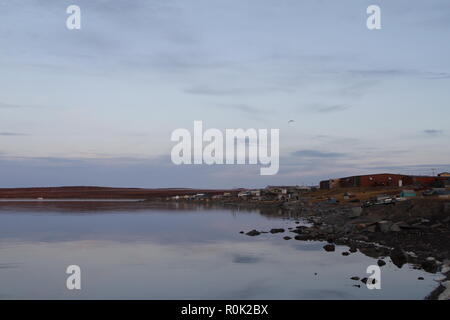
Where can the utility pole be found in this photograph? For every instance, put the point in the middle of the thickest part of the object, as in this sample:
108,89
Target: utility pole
433,172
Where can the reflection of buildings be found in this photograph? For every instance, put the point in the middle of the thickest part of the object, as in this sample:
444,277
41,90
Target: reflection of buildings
385,180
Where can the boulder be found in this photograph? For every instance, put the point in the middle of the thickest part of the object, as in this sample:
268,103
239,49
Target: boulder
287,238
396,227
253,233
430,266
302,237
276,230
445,295
384,226
398,257
361,237
329,247
371,251
445,268
348,228
381,263
355,212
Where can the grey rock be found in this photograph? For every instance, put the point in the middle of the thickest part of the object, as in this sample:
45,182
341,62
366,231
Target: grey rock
361,237
355,212
430,266
396,227
276,230
253,233
398,257
384,226
348,228
381,263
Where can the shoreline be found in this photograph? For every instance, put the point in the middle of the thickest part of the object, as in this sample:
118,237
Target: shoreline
415,232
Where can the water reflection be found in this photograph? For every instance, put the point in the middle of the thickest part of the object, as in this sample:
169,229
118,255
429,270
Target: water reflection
149,251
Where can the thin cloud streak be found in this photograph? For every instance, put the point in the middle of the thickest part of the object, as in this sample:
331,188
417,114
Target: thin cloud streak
317,154
12,134
433,132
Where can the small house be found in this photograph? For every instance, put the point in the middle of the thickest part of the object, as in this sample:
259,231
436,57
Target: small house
243,194
255,193
407,193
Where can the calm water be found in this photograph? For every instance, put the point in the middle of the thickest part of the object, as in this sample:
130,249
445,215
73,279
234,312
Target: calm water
142,251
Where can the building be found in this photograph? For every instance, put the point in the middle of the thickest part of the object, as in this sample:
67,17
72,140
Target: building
329,184
383,180
278,189
283,193
407,193
375,180
243,194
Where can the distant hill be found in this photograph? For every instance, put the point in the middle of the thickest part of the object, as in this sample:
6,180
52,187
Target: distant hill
87,192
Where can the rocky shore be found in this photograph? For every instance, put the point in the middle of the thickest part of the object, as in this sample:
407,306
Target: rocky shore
416,232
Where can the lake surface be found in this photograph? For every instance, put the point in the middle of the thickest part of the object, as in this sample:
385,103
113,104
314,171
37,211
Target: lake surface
146,251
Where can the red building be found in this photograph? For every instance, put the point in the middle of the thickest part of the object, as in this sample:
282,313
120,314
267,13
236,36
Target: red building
381,180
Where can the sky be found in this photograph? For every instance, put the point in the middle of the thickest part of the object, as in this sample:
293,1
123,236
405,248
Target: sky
97,106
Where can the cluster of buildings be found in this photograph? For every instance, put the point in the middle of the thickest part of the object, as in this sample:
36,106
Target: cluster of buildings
388,180
434,185
270,193
274,193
